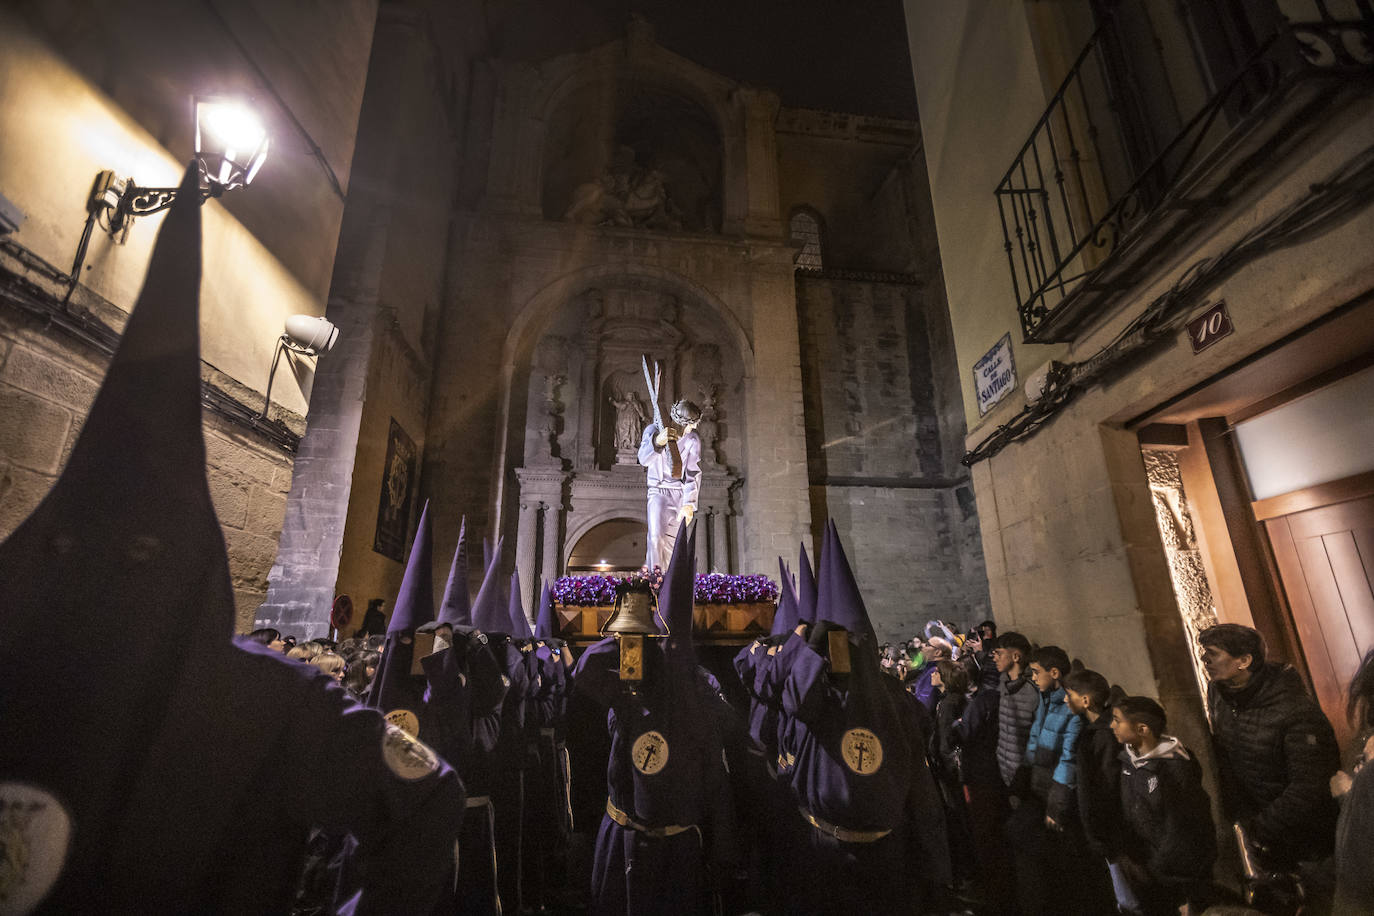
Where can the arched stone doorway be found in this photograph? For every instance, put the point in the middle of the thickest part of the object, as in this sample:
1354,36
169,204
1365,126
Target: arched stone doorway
578,466
616,545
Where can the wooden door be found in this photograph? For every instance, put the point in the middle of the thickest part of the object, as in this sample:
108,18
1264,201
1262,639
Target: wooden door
1325,558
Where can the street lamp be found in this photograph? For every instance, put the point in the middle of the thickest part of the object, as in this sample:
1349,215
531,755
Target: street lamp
231,146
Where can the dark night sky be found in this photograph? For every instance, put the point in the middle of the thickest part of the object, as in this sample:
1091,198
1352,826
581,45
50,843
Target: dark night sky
845,55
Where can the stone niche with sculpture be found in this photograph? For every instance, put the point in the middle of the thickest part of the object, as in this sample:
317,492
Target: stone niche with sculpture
586,409
633,158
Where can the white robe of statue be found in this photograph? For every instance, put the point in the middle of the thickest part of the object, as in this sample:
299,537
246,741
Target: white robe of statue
669,494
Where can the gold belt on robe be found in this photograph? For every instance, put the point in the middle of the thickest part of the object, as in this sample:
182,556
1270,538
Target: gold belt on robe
841,833
624,820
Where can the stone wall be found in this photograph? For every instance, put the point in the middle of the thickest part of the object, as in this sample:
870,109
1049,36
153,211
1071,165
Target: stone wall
47,384
915,554
268,248
875,452
869,391
840,166
75,100
385,296
976,110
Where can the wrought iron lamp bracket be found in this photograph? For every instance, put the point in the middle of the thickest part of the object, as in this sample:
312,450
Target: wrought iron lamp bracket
137,201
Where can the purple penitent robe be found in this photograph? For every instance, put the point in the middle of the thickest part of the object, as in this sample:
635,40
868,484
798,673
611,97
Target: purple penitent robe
666,772
859,766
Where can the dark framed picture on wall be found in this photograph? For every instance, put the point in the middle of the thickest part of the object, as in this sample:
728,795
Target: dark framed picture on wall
399,474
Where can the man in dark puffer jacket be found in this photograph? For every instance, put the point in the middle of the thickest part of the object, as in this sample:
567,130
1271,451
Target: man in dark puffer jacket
1016,711
1276,752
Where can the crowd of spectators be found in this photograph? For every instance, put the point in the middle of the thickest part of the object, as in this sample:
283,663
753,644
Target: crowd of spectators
352,662
1063,794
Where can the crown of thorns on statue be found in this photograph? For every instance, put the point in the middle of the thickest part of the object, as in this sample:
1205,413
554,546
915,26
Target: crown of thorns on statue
684,412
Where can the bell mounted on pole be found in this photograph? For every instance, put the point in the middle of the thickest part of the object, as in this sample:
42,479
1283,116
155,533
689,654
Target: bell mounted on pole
634,618
635,612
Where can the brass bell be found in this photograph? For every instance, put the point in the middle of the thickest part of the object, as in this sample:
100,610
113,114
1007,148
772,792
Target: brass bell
635,613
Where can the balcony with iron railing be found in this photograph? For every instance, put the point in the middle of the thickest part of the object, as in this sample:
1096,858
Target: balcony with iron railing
1088,203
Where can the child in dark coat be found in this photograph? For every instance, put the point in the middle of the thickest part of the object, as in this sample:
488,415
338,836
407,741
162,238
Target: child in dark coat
1088,695
946,765
976,733
1168,841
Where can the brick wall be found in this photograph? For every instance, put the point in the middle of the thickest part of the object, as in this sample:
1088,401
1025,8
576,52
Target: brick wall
47,384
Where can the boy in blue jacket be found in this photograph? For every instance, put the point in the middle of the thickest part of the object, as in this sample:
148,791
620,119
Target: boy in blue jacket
1055,871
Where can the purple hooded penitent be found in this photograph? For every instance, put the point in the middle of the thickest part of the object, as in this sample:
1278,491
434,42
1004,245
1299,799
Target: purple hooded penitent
546,625
666,766
785,618
414,604
124,699
838,599
456,608
117,586
806,588
394,687
676,597
489,614
519,623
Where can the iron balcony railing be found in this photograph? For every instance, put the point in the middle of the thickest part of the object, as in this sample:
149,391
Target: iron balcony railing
1084,184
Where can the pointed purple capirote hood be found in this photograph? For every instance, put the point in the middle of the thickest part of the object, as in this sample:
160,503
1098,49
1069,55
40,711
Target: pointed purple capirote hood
488,612
806,589
546,626
676,595
785,618
393,687
456,608
414,605
519,623
126,538
838,599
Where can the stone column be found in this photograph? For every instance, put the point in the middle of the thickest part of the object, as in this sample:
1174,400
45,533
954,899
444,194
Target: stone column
550,554
775,473
703,543
720,541
760,110
302,581
541,490
589,390
525,544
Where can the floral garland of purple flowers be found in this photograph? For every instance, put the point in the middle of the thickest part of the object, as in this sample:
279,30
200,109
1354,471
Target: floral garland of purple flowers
711,588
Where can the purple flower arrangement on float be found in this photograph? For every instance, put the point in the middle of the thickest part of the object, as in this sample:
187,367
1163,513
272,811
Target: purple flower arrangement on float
718,588
711,588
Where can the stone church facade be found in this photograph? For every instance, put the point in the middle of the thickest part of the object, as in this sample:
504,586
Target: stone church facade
623,202
508,237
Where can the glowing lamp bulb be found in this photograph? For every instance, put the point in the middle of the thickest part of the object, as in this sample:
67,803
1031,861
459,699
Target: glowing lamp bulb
231,142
